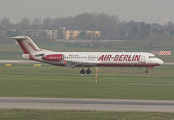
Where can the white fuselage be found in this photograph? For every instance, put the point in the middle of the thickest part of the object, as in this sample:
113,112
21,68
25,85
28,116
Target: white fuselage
92,59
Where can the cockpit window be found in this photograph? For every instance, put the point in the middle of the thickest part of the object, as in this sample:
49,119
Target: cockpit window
152,57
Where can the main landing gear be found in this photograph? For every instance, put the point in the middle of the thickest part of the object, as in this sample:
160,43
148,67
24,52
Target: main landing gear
88,71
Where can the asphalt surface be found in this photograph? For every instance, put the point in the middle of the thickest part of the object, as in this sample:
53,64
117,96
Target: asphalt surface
86,104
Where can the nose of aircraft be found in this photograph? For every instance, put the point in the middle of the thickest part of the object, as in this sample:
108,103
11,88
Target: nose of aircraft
160,62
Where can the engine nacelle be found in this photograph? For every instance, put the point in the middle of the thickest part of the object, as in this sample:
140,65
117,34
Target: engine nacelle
53,57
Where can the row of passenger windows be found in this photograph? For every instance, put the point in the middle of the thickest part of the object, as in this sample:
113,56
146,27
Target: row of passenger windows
74,57
82,57
95,57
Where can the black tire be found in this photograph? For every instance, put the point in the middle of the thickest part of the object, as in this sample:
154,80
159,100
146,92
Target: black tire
88,71
146,71
82,71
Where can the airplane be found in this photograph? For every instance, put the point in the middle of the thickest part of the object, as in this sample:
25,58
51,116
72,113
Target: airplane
86,59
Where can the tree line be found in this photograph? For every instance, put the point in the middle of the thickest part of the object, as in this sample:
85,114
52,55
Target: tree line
111,27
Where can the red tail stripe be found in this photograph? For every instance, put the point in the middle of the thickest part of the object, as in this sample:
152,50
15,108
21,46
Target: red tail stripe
23,47
33,47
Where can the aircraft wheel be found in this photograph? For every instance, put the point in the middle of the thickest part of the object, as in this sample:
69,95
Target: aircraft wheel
88,71
146,71
82,71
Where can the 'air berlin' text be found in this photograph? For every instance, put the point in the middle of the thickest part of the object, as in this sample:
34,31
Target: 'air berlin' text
120,58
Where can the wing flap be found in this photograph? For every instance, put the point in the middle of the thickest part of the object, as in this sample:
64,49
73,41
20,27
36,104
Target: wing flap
73,64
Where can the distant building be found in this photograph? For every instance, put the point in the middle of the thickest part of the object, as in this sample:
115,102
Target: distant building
3,33
52,34
74,34
61,34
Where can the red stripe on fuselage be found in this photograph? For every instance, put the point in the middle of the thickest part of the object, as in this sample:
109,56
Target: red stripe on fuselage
112,65
128,65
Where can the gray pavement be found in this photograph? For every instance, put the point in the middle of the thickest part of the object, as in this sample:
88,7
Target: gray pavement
18,62
86,104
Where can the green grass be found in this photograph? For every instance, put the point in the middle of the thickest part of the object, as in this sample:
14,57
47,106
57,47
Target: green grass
60,82
80,115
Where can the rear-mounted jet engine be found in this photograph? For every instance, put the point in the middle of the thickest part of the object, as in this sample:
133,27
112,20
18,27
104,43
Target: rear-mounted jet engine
53,57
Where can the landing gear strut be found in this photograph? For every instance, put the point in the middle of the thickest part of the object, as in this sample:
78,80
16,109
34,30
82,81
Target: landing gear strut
82,71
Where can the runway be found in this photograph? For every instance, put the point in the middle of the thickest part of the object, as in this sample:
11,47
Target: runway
86,104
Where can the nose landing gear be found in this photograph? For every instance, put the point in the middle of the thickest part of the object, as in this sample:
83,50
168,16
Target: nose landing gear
146,71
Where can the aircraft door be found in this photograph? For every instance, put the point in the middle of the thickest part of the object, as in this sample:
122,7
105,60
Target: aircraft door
143,59
90,57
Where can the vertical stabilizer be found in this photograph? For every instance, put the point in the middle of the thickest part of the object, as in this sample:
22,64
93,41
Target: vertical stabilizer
27,45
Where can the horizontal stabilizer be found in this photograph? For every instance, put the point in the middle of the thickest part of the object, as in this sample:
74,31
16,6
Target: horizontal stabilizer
21,37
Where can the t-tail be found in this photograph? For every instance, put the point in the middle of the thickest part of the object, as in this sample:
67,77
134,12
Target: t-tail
30,49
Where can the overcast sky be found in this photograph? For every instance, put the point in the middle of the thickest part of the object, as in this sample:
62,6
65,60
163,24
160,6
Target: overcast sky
150,11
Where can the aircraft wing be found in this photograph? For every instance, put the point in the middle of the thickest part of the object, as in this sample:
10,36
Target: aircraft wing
73,64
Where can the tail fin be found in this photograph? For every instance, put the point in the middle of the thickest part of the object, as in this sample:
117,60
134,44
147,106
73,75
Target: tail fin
29,47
